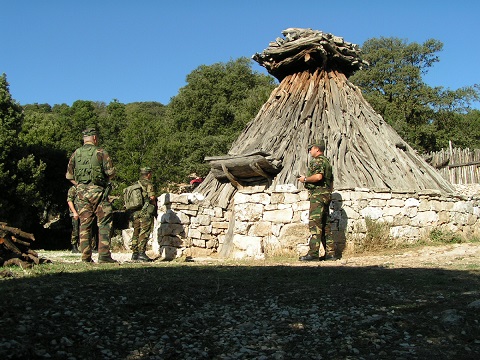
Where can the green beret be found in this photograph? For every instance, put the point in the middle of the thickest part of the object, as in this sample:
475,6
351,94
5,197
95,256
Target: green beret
320,144
90,131
146,170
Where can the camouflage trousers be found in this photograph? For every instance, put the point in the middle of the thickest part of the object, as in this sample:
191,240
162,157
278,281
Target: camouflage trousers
75,231
89,205
75,238
319,230
142,227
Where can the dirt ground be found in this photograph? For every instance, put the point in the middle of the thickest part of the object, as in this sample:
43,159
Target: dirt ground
466,255
445,256
418,303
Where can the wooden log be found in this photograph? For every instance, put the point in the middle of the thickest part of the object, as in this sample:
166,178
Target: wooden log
16,231
15,251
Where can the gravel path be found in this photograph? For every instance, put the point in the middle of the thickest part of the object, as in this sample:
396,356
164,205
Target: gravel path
366,307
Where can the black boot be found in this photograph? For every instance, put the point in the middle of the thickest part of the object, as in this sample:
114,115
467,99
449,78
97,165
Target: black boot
75,249
143,257
135,256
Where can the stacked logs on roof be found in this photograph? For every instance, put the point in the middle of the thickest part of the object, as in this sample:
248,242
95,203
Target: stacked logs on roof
304,49
15,248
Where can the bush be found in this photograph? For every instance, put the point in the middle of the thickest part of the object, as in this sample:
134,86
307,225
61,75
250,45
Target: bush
377,237
438,236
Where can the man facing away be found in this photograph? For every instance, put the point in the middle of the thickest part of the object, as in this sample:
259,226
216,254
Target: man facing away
319,182
90,170
143,219
72,208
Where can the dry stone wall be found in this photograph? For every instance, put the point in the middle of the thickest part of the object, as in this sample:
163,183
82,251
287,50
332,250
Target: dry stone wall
266,222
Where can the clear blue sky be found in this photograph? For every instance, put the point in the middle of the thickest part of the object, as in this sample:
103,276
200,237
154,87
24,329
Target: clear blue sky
59,51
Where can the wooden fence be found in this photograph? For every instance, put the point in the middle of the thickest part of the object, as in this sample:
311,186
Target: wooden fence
459,166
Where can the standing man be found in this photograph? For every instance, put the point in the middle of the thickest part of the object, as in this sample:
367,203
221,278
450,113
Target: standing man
71,196
72,208
143,219
90,169
319,182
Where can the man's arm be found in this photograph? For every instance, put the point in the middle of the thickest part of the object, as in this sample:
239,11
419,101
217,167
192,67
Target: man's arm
72,209
311,179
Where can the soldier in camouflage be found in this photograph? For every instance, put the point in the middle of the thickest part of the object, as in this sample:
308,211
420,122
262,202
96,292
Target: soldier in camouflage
319,182
72,208
71,196
90,169
143,219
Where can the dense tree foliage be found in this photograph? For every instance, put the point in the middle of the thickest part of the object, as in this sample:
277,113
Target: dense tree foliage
210,111
427,117
21,173
203,119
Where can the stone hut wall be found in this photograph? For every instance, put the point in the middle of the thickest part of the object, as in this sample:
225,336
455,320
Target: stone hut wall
267,222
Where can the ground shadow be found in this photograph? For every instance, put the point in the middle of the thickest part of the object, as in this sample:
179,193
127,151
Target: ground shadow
179,308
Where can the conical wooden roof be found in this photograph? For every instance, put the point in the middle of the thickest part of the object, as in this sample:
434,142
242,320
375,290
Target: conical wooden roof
314,101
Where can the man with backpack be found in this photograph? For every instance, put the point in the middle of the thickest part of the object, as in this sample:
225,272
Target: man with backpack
90,170
142,218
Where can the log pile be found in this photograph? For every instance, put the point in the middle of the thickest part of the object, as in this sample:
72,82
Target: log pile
15,248
316,101
307,49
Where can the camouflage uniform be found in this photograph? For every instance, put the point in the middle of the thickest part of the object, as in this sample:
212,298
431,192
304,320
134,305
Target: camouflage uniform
142,220
72,197
320,195
91,202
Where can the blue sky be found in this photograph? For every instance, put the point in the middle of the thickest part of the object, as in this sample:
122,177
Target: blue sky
59,51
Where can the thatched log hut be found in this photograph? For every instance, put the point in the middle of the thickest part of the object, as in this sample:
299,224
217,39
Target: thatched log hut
315,100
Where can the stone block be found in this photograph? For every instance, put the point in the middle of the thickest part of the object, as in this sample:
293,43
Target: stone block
171,229
168,252
277,198
251,246
373,213
194,233
248,212
293,234
172,241
260,228
412,202
279,216
127,238
201,220
199,243
173,217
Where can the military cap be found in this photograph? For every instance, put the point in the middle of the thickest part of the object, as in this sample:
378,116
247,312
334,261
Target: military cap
145,170
90,131
320,144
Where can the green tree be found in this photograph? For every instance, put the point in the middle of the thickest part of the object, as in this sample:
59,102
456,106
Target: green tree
43,135
20,173
393,84
143,127
209,112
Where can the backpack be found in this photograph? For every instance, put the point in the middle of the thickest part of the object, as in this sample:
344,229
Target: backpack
133,196
87,167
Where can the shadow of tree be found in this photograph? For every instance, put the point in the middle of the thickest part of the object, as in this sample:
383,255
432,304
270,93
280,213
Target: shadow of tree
100,306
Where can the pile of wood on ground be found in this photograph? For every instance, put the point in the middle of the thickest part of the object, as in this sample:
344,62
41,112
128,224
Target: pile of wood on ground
15,248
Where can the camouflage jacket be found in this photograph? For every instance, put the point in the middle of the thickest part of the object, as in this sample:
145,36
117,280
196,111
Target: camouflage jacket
149,191
320,165
103,158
